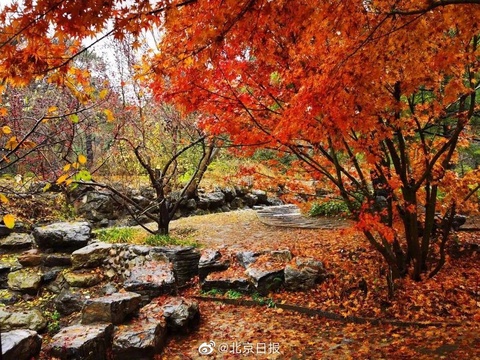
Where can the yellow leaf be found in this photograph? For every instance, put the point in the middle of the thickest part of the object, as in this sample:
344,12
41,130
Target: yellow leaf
62,179
6,129
52,109
103,94
3,199
3,111
82,159
109,115
9,221
46,187
66,167
68,182
75,165
27,144
12,143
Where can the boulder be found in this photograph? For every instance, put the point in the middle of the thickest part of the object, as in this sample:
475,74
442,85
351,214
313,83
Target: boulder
211,200
20,344
82,278
267,273
63,236
151,279
184,260
303,274
262,197
16,242
28,319
68,302
81,342
181,315
25,280
246,258
211,261
113,308
91,255
140,340
97,206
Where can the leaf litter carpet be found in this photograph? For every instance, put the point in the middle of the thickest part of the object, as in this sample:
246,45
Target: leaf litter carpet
434,319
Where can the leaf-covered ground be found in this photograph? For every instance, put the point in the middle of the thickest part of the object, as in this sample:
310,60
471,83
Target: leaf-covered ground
450,301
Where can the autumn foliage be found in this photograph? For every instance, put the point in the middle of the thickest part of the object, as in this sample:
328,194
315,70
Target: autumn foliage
375,98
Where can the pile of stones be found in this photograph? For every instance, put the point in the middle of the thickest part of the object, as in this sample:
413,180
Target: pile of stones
121,299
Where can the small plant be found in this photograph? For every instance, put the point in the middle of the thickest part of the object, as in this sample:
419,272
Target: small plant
329,208
232,294
212,292
166,240
261,300
117,235
53,321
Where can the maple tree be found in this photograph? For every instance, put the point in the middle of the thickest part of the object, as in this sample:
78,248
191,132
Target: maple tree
376,97
377,102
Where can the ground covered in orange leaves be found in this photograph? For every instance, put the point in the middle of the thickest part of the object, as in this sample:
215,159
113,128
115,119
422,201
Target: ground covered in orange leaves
436,318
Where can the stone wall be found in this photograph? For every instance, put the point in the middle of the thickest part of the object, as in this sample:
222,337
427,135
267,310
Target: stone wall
101,208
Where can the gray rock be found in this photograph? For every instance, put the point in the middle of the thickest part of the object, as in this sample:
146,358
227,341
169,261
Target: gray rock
250,200
140,340
230,193
237,203
246,258
63,236
25,280
81,342
211,261
99,206
182,315
267,275
20,344
8,297
262,198
184,259
140,249
28,319
58,259
211,200
303,274
91,255
82,278
227,282
152,278
113,308
16,241
68,302
51,274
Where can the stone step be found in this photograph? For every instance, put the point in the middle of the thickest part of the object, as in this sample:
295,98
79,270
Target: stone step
81,342
151,279
113,308
20,344
141,339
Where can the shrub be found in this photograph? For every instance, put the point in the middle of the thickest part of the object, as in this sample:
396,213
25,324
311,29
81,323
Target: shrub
329,208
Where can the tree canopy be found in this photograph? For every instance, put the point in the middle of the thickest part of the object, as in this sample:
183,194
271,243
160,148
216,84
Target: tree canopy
374,97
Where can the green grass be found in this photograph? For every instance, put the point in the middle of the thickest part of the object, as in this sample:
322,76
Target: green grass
166,240
116,235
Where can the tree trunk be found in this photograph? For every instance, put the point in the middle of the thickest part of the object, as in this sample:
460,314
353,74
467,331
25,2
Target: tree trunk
163,221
